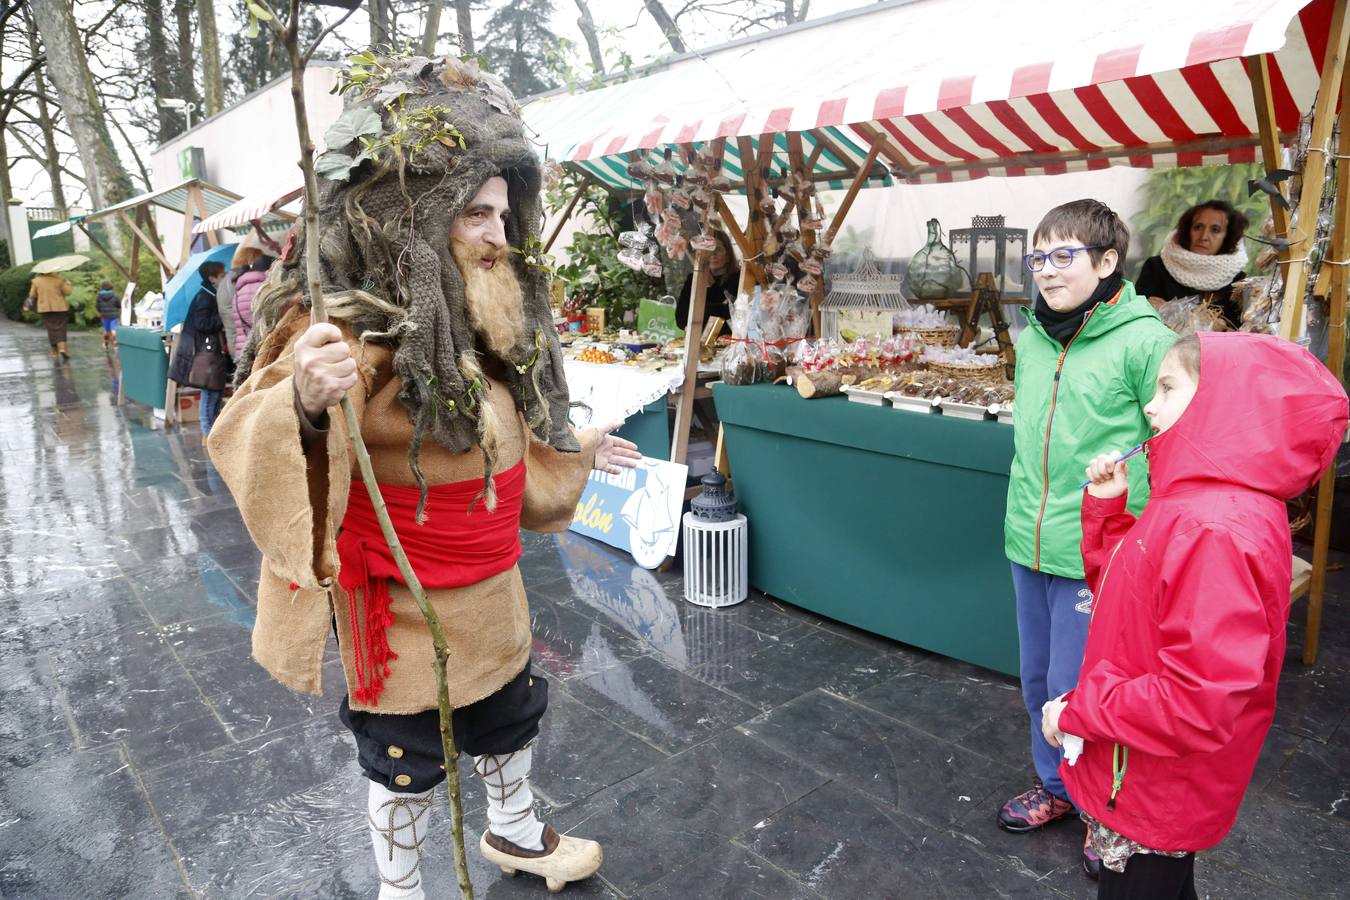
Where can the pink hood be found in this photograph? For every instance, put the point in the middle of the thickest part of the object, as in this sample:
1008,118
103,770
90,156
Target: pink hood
1267,416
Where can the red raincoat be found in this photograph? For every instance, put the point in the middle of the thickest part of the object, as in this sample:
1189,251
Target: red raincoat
1187,637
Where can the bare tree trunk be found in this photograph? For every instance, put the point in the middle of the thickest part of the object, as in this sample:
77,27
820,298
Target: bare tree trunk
212,81
587,26
185,86
791,15
53,161
378,12
464,23
69,69
667,25
161,82
432,28
5,194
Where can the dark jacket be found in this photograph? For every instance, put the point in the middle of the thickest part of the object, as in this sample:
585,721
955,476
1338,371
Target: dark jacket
721,292
108,305
202,322
1191,599
1155,281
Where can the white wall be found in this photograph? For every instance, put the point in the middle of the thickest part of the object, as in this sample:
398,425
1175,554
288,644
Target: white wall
251,147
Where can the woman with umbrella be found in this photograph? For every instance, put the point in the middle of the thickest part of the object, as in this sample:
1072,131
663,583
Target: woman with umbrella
47,296
200,359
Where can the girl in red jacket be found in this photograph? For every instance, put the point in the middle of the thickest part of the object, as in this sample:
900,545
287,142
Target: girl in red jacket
1177,689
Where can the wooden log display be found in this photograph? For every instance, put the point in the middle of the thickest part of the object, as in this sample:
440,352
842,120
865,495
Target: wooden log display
814,385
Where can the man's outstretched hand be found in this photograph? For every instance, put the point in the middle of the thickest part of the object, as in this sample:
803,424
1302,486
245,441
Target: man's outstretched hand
614,453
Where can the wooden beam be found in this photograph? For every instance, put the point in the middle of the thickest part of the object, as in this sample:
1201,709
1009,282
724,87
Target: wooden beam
739,237
852,194
810,166
1336,302
823,143
187,229
1258,69
140,235
767,148
106,252
567,212
212,239
888,150
693,332
808,237
757,228
1314,172
149,225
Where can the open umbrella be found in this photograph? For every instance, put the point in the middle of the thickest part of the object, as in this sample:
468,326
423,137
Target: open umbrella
183,287
60,264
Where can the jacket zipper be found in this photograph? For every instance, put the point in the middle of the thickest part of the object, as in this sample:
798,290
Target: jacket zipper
1120,754
1049,421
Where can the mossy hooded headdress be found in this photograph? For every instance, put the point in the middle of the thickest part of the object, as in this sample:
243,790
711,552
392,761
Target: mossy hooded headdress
417,141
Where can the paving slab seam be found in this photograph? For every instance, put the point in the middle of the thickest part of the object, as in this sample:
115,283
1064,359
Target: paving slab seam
159,823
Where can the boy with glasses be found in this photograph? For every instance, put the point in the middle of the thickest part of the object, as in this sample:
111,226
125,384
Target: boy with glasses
1086,364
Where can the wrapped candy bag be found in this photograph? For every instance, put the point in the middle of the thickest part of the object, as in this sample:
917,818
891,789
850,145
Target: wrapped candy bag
742,363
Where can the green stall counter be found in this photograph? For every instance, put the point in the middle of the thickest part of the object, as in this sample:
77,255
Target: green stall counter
145,365
649,428
888,520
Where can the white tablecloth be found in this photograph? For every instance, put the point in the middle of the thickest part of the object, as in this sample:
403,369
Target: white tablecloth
615,392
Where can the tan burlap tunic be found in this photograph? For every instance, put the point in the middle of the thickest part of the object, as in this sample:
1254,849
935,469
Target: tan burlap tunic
293,502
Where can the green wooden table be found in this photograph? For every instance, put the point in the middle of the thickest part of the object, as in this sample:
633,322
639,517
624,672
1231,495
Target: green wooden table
145,365
889,521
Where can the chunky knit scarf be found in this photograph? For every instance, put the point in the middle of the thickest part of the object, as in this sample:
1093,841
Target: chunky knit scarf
1204,273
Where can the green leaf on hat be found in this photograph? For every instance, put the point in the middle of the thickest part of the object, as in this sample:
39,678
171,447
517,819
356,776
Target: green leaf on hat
352,124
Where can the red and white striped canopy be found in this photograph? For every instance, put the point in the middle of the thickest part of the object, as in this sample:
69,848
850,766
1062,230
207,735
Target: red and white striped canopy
961,89
261,207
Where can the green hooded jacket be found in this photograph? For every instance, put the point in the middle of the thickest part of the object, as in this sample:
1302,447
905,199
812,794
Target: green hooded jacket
1074,402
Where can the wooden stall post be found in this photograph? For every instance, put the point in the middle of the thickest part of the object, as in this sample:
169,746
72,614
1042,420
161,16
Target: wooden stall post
137,236
693,331
1340,282
1314,172
106,252
1258,69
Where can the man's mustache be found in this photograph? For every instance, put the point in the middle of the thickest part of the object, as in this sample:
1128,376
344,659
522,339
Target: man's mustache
476,250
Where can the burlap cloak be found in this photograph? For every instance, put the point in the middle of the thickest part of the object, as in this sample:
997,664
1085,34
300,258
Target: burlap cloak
293,503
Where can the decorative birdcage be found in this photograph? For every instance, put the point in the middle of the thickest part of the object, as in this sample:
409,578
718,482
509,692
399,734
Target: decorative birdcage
989,241
862,301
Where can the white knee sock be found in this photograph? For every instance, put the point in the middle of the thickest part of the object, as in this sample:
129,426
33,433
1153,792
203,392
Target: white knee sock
510,802
398,826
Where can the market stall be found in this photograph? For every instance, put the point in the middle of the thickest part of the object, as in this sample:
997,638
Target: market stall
1167,85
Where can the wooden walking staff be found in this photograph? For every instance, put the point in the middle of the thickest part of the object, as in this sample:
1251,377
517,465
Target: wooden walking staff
288,34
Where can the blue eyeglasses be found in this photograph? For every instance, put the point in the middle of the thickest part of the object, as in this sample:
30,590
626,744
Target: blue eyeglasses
1060,258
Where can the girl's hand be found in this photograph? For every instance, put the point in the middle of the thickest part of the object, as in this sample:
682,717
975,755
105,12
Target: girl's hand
1108,476
614,453
1050,713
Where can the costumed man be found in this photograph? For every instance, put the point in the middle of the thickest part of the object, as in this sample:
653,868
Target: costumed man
443,339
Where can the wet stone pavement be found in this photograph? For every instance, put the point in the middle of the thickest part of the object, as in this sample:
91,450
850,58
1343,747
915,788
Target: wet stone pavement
754,752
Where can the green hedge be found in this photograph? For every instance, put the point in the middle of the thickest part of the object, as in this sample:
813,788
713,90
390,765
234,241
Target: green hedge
14,284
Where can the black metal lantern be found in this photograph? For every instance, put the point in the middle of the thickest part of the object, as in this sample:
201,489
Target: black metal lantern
988,239
714,503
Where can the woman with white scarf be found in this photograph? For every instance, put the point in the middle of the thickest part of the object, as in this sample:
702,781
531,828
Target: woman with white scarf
1202,257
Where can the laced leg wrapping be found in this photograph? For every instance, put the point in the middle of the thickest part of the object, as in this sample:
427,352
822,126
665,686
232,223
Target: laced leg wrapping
506,779
398,826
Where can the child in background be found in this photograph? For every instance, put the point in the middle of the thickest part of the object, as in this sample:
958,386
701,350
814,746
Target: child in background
109,311
1177,689
1085,368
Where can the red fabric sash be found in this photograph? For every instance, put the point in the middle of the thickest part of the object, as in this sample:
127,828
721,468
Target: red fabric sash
456,547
